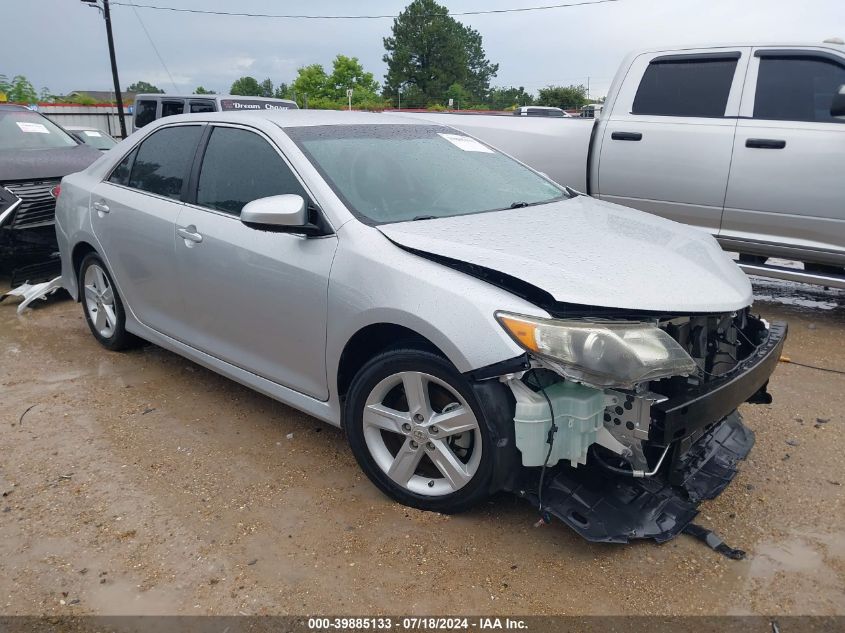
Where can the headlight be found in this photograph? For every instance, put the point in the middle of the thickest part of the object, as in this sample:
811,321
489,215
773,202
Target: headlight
603,354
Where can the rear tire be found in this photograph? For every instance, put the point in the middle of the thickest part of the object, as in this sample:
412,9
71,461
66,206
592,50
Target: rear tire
102,306
420,433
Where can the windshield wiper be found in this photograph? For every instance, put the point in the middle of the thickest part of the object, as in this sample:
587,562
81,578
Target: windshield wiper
518,205
424,217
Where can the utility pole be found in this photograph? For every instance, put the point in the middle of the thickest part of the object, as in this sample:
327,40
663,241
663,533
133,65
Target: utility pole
118,96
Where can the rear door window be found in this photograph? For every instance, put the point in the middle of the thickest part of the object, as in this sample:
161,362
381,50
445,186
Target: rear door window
682,85
164,159
145,112
797,88
240,166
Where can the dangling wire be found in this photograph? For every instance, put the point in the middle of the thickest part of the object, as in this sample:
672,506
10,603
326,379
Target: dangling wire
550,439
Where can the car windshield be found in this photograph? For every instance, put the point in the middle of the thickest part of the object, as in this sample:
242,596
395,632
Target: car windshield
96,138
22,130
395,173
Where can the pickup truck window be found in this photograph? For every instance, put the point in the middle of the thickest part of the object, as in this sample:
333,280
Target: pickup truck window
686,86
797,89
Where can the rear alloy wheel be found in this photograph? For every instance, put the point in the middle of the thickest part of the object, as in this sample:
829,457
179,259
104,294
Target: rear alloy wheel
102,306
418,432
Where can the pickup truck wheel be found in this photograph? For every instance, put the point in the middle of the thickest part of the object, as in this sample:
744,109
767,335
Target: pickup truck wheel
102,305
418,431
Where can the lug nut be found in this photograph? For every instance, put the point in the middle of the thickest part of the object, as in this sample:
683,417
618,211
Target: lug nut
434,430
414,445
406,427
418,417
430,446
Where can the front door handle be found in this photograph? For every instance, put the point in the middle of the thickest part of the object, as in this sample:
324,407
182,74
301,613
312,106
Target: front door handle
765,143
627,136
189,234
100,206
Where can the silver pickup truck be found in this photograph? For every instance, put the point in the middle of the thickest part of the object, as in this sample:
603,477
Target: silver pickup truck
746,142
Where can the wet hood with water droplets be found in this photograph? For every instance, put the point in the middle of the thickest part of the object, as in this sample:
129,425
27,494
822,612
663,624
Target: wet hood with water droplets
588,252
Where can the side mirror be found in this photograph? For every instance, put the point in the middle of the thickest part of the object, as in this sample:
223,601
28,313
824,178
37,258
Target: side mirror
286,213
837,108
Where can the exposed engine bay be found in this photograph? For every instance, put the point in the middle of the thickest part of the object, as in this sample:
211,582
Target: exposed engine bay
620,463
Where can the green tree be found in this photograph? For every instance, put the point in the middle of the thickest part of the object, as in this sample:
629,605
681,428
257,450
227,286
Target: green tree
21,91
311,83
282,91
460,96
347,72
246,86
266,88
567,97
144,87
431,51
504,98
202,91
5,86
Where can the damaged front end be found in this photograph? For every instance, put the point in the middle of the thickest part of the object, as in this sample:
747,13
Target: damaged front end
625,425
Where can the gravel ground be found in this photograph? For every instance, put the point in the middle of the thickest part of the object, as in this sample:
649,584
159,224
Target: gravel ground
142,483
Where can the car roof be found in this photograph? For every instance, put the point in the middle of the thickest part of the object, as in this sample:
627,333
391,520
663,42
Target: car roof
299,118
13,107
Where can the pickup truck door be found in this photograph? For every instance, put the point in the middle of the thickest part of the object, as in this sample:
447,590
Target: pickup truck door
786,183
666,140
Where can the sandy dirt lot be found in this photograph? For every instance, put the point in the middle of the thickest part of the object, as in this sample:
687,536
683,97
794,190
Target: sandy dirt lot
142,483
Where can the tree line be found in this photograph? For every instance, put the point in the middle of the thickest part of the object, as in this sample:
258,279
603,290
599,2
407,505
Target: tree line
433,61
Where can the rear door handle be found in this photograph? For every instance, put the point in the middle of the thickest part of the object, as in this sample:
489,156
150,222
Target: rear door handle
189,234
100,206
626,136
765,143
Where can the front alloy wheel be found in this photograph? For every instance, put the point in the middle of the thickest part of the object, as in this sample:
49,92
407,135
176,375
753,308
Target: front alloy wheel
422,433
419,432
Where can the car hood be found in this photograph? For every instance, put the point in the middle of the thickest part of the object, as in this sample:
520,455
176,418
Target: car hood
588,252
38,164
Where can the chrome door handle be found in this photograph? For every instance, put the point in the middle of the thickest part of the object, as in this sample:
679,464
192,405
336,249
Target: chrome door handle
100,206
189,233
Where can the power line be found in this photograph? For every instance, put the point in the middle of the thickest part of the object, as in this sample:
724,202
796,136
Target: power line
155,48
358,17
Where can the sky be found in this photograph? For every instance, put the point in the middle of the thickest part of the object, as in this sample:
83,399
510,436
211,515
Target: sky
61,44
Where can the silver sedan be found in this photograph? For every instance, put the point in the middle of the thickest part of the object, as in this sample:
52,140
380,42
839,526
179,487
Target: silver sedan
407,282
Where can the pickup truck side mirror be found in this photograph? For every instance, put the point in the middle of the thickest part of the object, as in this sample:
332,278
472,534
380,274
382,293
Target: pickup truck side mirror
287,213
837,108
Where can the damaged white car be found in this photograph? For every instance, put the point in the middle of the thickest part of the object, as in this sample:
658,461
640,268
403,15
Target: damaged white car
472,325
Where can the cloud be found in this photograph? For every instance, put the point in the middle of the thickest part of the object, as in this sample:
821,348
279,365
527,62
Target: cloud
533,49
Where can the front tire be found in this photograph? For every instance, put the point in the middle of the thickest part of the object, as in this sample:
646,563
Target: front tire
102,306
420,434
